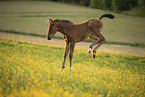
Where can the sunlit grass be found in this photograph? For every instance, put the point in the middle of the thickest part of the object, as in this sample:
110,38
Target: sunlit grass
28,69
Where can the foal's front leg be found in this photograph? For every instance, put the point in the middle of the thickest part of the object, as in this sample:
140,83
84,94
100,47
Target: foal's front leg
65,55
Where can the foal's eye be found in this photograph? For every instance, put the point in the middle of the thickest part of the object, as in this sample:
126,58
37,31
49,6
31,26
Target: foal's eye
51,28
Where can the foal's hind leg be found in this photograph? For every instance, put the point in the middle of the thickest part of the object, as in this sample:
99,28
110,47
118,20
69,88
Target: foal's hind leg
100,41
65,55
94,37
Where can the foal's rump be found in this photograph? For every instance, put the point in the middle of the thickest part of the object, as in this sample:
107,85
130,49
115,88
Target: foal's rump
95,25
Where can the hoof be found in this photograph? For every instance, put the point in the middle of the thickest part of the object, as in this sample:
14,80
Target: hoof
94,55
62,68
89,50
70,69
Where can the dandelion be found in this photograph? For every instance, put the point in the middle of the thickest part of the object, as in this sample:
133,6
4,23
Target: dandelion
108,95
18,67
7,73
21,88
12,68
66,93
38,84
12,85
15,71
0,70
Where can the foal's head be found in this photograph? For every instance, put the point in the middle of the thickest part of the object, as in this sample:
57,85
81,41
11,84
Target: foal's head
52,29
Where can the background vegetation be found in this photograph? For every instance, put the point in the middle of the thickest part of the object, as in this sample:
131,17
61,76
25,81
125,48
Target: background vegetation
130,7
113,5
30,17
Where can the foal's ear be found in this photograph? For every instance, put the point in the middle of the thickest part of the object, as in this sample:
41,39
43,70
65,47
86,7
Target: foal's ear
51,21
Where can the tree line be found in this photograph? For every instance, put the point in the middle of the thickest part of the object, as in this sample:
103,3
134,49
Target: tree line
114,5
130,7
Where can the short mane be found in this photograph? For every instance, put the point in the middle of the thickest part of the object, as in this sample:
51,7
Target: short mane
63,20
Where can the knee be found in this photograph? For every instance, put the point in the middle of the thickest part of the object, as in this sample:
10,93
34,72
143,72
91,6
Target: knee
65,55
90,47
102,39
71,56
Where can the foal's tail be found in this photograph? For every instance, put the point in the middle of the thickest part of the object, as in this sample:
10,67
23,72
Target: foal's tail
106,15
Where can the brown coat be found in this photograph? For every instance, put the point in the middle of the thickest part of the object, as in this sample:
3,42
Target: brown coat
74,33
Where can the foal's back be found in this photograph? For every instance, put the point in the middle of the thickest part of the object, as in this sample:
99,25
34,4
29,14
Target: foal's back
90,24
82,31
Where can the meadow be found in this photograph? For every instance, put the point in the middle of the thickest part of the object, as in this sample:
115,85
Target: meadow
29,69
34,69
32,16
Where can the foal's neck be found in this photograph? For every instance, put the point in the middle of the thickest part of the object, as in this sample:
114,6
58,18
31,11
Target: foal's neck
62,27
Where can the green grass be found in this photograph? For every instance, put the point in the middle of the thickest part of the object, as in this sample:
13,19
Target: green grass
28,69
32,16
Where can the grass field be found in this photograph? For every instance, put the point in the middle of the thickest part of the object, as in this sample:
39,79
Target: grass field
29,69
34,69
32,16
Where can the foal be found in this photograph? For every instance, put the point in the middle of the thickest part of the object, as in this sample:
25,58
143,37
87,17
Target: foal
74,33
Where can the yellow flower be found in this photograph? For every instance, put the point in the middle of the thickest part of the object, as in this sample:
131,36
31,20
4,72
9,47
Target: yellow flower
38,84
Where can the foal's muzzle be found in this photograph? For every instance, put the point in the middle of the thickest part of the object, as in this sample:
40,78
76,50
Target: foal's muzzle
49,38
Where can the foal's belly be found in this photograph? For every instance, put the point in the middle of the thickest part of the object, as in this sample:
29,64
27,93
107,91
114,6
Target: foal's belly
82,37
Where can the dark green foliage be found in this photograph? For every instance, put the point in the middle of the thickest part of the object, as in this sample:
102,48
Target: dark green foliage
108,4
84,2
114,5
122,5
117,5
103,4
98,4
141,3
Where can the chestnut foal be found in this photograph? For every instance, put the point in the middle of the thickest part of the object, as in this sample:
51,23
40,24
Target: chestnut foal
74,33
